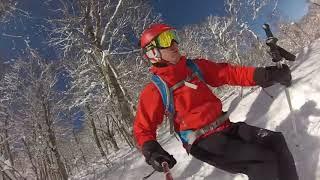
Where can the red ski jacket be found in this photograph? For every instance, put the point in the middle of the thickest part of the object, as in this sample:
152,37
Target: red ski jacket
195,108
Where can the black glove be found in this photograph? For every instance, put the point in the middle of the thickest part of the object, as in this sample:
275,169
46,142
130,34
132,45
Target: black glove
270,75
155,155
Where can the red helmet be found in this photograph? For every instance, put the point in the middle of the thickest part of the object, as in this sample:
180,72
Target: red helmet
153,31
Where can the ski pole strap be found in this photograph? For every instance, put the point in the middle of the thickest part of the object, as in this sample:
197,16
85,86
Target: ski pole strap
166,171
147,176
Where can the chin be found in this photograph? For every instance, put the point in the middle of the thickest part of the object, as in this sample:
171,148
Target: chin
175,61
178,58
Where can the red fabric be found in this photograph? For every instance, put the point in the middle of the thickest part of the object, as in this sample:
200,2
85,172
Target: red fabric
195,108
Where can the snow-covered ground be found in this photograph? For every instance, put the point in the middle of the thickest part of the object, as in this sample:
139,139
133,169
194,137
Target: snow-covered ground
259,109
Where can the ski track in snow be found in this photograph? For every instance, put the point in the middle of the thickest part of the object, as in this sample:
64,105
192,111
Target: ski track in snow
257,109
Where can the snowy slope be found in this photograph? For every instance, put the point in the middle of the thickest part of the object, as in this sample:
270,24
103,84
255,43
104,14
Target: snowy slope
259,109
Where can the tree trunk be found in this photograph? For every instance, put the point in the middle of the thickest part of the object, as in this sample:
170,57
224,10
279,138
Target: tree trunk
114,143
41,170
34,168
103,136
79,146
7,172
57,155
67,165
105,141
122,97
6,137
52,141
110,131
47,171
127,137
95,134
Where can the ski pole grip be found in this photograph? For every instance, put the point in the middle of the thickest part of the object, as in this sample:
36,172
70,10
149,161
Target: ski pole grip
266,28
276,51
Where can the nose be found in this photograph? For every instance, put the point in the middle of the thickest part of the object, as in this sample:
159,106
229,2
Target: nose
174,45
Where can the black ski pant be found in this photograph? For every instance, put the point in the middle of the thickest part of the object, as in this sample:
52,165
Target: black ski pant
259,153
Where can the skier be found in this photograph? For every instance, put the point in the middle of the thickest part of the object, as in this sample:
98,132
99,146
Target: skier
206,131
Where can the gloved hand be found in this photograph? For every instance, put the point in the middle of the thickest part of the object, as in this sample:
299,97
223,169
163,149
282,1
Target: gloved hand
155,155
270,75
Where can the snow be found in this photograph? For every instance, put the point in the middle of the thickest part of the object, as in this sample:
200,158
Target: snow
256,108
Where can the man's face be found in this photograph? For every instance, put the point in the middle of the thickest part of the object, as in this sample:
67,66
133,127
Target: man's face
171,54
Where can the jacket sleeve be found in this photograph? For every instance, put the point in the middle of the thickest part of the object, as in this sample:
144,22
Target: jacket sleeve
217,74
149,115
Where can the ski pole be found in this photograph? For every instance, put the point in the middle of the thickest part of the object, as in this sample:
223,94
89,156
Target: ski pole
278,53
166,171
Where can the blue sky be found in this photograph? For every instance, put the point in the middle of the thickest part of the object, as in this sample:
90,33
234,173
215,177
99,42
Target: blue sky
293,9
183,12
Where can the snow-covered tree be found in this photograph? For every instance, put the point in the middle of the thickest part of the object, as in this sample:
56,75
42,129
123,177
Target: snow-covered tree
33,114
296,35
6,9
315,2
96,38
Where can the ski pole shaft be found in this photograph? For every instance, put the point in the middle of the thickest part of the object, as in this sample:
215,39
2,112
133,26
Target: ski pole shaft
166,171
286,90
288,99
279,65
291,110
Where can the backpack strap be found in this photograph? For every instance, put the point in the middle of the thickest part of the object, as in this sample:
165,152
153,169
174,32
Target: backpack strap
167,93
195,69
167,99
181,83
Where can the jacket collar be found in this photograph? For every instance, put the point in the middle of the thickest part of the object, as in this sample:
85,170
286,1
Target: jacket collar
172,73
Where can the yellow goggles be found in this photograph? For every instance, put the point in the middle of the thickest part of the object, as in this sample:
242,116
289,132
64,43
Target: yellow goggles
164,39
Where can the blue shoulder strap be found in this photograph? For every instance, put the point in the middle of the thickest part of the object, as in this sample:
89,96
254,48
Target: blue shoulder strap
166,93
195,69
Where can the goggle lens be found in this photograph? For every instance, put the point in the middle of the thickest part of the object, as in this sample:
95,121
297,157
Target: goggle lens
164,39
